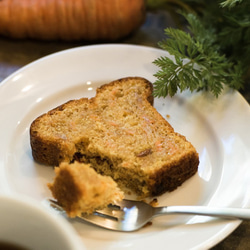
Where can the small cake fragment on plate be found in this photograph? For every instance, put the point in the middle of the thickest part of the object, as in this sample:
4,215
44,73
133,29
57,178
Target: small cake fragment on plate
80,189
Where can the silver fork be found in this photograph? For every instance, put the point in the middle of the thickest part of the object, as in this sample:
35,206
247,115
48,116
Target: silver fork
130,215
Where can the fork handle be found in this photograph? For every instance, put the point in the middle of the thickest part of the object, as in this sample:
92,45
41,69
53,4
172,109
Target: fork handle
222,212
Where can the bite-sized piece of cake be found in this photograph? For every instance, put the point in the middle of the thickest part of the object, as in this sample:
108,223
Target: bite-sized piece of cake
80,189
121,135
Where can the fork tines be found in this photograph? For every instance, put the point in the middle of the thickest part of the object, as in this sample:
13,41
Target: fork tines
112,211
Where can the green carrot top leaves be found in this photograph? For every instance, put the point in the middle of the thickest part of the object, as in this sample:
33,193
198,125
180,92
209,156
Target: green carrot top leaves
208,57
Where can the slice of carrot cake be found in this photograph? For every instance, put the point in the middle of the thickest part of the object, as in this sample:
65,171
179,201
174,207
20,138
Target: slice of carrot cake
121,135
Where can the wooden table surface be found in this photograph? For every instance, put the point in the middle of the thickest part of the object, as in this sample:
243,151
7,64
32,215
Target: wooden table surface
15,54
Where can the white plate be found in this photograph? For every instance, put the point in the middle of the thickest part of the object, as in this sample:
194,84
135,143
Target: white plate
219,129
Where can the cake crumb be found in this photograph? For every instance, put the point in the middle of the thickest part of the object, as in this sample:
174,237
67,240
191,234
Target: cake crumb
150,223
154,202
